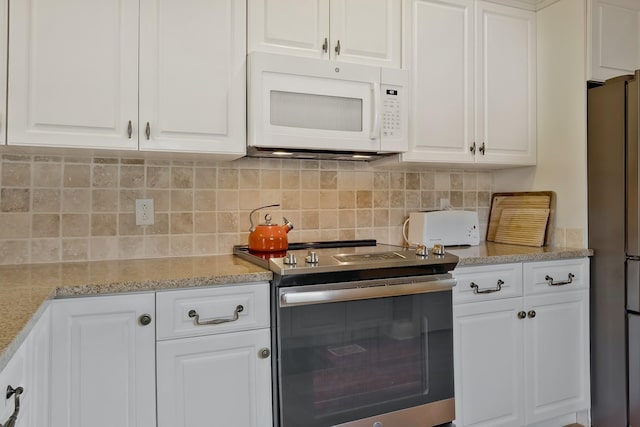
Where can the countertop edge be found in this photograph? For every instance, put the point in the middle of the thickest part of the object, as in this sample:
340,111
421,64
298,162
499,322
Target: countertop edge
466,261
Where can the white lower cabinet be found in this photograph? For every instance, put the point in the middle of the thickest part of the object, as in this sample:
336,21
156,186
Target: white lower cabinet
522,358
103,361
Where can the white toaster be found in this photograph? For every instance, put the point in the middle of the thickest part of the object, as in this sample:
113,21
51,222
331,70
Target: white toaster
448,228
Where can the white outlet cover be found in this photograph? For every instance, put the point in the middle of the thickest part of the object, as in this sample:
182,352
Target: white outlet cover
144,212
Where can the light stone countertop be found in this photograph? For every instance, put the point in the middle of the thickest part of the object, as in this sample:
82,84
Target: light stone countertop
25,290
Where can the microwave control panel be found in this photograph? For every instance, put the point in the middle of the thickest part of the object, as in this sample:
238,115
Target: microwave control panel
391,112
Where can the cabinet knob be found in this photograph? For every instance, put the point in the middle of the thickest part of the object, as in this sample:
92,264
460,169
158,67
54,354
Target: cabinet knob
531,314
481,149
145,319
522,315
338,48
473,148
264,353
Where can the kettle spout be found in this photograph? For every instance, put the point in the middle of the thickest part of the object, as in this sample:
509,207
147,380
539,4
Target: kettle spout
288,226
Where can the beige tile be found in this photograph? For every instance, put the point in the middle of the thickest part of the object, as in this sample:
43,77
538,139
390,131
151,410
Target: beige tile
228,240
470,181
485,180
396,217
329,234
105,176
412,181
132,176
14,200
158,177
182,200
130,248
329,180
205,200
364,218
559,237
427,181
47,159
161,199
310,220
396,180
15,226
205,244
470,199
47,175
456,199
310,180
156,246
205,222
329,165
381,198
77,176
75,225
128,199
346,180
104,200
104,224
396,199
106,160
574,237
181,223
46,200
75,200
206,178
381,180
309,164
160,225
249,178
248,198
270,179
181,245
16,174
310,199
103,248
45,250
456,181
75,249
349,234
346,199
181,177
132,161
127,225
14,252
346,218
227,222
443,181
290,179
484,199
328,199
328,219
16,157
364,199
228,179
290,200
380,217
228,200
428,200
45,225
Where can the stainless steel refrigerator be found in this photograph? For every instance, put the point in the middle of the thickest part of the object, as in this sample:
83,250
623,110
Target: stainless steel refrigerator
614,234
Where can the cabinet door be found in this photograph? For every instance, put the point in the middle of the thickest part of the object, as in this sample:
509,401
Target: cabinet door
15,374
104,359
614,38
193,76
73,73
488,363
218,377
556,355
439,37
506,88
39,363
366,31
293,27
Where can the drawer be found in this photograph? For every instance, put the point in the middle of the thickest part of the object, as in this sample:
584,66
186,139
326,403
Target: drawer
566,275
173,307
487,282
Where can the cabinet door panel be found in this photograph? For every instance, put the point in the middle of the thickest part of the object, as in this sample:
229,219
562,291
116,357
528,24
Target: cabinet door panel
368,31
218,379
557,355
192,76
506,75
488,363
104,359
294,27
73,73
440,57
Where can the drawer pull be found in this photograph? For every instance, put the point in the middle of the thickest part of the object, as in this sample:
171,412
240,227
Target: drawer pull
477,290
550,281
11,422
236,316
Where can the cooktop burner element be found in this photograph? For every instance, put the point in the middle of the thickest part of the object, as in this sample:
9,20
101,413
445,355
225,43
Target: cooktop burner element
368,257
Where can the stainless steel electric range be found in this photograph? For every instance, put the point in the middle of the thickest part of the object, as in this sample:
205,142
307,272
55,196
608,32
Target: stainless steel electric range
362,334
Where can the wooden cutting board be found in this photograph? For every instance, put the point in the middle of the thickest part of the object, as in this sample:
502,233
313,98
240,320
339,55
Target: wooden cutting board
522,226
520,200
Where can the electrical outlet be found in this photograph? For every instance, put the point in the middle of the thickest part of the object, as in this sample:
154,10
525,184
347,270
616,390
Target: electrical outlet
444,204
144,212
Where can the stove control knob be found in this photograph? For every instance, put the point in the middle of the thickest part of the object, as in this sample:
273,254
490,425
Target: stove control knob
421,250
438,249
290,259
312,258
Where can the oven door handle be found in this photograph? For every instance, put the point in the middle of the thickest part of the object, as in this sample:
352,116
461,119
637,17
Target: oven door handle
291,298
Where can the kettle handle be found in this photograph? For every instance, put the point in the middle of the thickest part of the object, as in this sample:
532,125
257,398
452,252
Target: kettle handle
404,232
252,228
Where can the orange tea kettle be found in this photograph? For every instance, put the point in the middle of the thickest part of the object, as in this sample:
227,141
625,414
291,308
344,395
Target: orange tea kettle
268,237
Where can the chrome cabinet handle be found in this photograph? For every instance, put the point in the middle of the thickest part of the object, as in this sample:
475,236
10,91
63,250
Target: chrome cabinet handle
129,129
338,48
531,314
325,45
522,315
236,316
473,148
11,422
145,319
264,353
550,281
481,149
147,131
477,290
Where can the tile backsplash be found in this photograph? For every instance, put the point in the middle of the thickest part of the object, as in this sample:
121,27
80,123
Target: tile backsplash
63,208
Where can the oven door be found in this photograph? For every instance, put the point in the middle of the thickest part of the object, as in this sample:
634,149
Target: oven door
358,353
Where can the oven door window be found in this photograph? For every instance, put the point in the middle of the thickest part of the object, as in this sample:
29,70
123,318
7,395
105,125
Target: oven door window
345,361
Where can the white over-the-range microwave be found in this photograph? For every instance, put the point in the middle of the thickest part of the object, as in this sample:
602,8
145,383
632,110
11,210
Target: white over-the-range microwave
303,108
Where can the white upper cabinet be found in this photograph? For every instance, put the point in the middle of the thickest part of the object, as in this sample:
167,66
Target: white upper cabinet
192,76
73,73
614,38
473,74
360,31
75,81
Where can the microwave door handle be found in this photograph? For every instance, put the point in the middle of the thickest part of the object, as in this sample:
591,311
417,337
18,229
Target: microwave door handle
375,128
